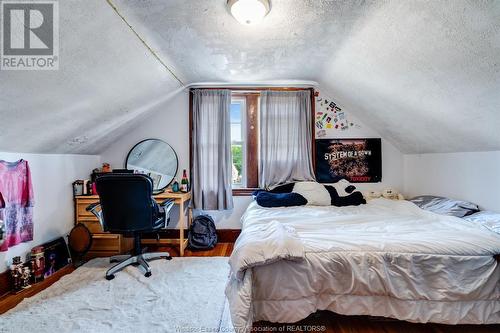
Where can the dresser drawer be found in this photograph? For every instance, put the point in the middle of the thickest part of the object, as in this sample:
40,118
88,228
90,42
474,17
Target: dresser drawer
81,208
93,226
106,242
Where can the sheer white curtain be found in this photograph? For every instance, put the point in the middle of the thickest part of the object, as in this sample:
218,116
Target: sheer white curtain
285,137
211,149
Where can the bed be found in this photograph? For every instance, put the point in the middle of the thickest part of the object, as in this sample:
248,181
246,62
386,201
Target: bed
386,258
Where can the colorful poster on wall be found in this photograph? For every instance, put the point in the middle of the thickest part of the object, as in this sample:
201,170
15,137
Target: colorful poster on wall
357,160
331,119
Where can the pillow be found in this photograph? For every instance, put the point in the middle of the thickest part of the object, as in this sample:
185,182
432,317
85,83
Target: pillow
490,220
282,188
341,193
445,206
268,199
315,193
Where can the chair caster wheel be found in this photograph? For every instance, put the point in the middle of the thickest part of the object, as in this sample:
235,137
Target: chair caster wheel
148,274
168,258
110,277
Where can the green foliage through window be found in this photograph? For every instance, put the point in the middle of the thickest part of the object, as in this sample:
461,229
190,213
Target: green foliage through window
237,151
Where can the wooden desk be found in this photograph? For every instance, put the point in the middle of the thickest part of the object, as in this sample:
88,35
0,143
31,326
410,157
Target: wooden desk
181,199
105,244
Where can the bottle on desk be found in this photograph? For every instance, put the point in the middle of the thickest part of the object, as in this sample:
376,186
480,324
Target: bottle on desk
184,182
175,186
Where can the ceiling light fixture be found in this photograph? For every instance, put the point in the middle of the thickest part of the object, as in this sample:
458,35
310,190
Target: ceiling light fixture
249,12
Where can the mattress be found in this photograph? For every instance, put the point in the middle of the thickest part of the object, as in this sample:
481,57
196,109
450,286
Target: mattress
386,258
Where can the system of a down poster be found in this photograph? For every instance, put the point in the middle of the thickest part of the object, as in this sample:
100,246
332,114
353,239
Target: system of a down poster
357,160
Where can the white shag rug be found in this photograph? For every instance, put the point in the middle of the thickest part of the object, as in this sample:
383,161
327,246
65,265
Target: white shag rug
182,295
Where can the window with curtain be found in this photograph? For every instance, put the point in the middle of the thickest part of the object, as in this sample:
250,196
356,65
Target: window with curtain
270,137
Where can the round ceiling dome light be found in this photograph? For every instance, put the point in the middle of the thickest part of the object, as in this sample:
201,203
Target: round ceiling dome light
249,12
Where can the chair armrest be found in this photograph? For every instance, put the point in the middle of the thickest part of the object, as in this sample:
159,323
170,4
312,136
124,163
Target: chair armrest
95,209
167,207
93,206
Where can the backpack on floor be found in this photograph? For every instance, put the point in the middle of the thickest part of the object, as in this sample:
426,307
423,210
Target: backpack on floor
202,234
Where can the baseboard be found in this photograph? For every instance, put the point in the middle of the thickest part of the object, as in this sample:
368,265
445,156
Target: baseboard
5,283
10,300
223,235
228,235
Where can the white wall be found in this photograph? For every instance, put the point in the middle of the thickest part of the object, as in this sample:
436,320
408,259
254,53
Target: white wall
52,177
473,177
168,121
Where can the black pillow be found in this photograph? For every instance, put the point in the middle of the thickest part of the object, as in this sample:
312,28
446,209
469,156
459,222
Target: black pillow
268,199
283,188
445,206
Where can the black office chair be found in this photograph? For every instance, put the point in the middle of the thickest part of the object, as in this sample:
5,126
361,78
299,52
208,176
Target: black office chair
127,206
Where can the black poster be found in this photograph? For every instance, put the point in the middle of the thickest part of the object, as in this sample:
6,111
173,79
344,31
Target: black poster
357,160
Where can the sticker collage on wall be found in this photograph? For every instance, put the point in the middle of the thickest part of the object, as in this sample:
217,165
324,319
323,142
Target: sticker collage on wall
330,118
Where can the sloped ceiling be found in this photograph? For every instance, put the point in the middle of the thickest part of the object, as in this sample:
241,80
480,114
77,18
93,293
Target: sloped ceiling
106,79
425,74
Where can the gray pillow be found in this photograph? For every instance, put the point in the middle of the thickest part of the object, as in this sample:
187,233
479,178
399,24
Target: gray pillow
445,206
488,219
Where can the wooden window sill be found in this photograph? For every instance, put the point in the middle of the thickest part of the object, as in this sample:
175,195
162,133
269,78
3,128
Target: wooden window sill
243,192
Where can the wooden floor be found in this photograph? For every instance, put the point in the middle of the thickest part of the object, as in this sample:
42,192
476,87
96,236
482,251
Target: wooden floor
220,250
328,322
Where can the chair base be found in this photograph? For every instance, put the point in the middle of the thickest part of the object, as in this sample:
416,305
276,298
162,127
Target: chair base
137,260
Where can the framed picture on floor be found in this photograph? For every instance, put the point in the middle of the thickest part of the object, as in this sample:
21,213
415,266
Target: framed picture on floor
56,256
357,160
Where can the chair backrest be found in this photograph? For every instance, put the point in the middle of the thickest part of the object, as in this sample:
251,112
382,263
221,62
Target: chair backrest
126,202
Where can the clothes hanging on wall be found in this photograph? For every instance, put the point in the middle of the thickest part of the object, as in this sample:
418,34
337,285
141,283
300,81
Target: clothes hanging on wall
17,193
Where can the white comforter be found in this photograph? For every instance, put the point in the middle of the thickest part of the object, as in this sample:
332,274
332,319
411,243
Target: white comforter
385,258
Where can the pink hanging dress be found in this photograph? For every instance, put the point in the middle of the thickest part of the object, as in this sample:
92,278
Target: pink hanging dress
17,193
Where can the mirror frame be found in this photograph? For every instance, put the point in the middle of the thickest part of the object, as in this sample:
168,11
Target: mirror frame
159,190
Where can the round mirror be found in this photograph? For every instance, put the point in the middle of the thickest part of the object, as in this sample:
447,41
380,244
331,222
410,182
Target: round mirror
156,159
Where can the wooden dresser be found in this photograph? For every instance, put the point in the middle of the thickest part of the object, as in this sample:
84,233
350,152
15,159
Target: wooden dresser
105,244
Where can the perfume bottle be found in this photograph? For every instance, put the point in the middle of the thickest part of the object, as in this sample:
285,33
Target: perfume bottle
175,186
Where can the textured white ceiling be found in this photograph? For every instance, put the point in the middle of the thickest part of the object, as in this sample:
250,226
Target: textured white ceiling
425,74
106,78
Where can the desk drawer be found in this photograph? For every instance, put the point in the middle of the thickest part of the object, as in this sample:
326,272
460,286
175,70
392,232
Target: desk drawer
81,207
93,226
106,242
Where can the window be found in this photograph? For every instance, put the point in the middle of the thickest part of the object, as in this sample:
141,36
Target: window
238,141
244,121
244,141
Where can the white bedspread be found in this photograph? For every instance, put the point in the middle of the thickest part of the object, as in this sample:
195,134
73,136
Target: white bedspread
385,258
